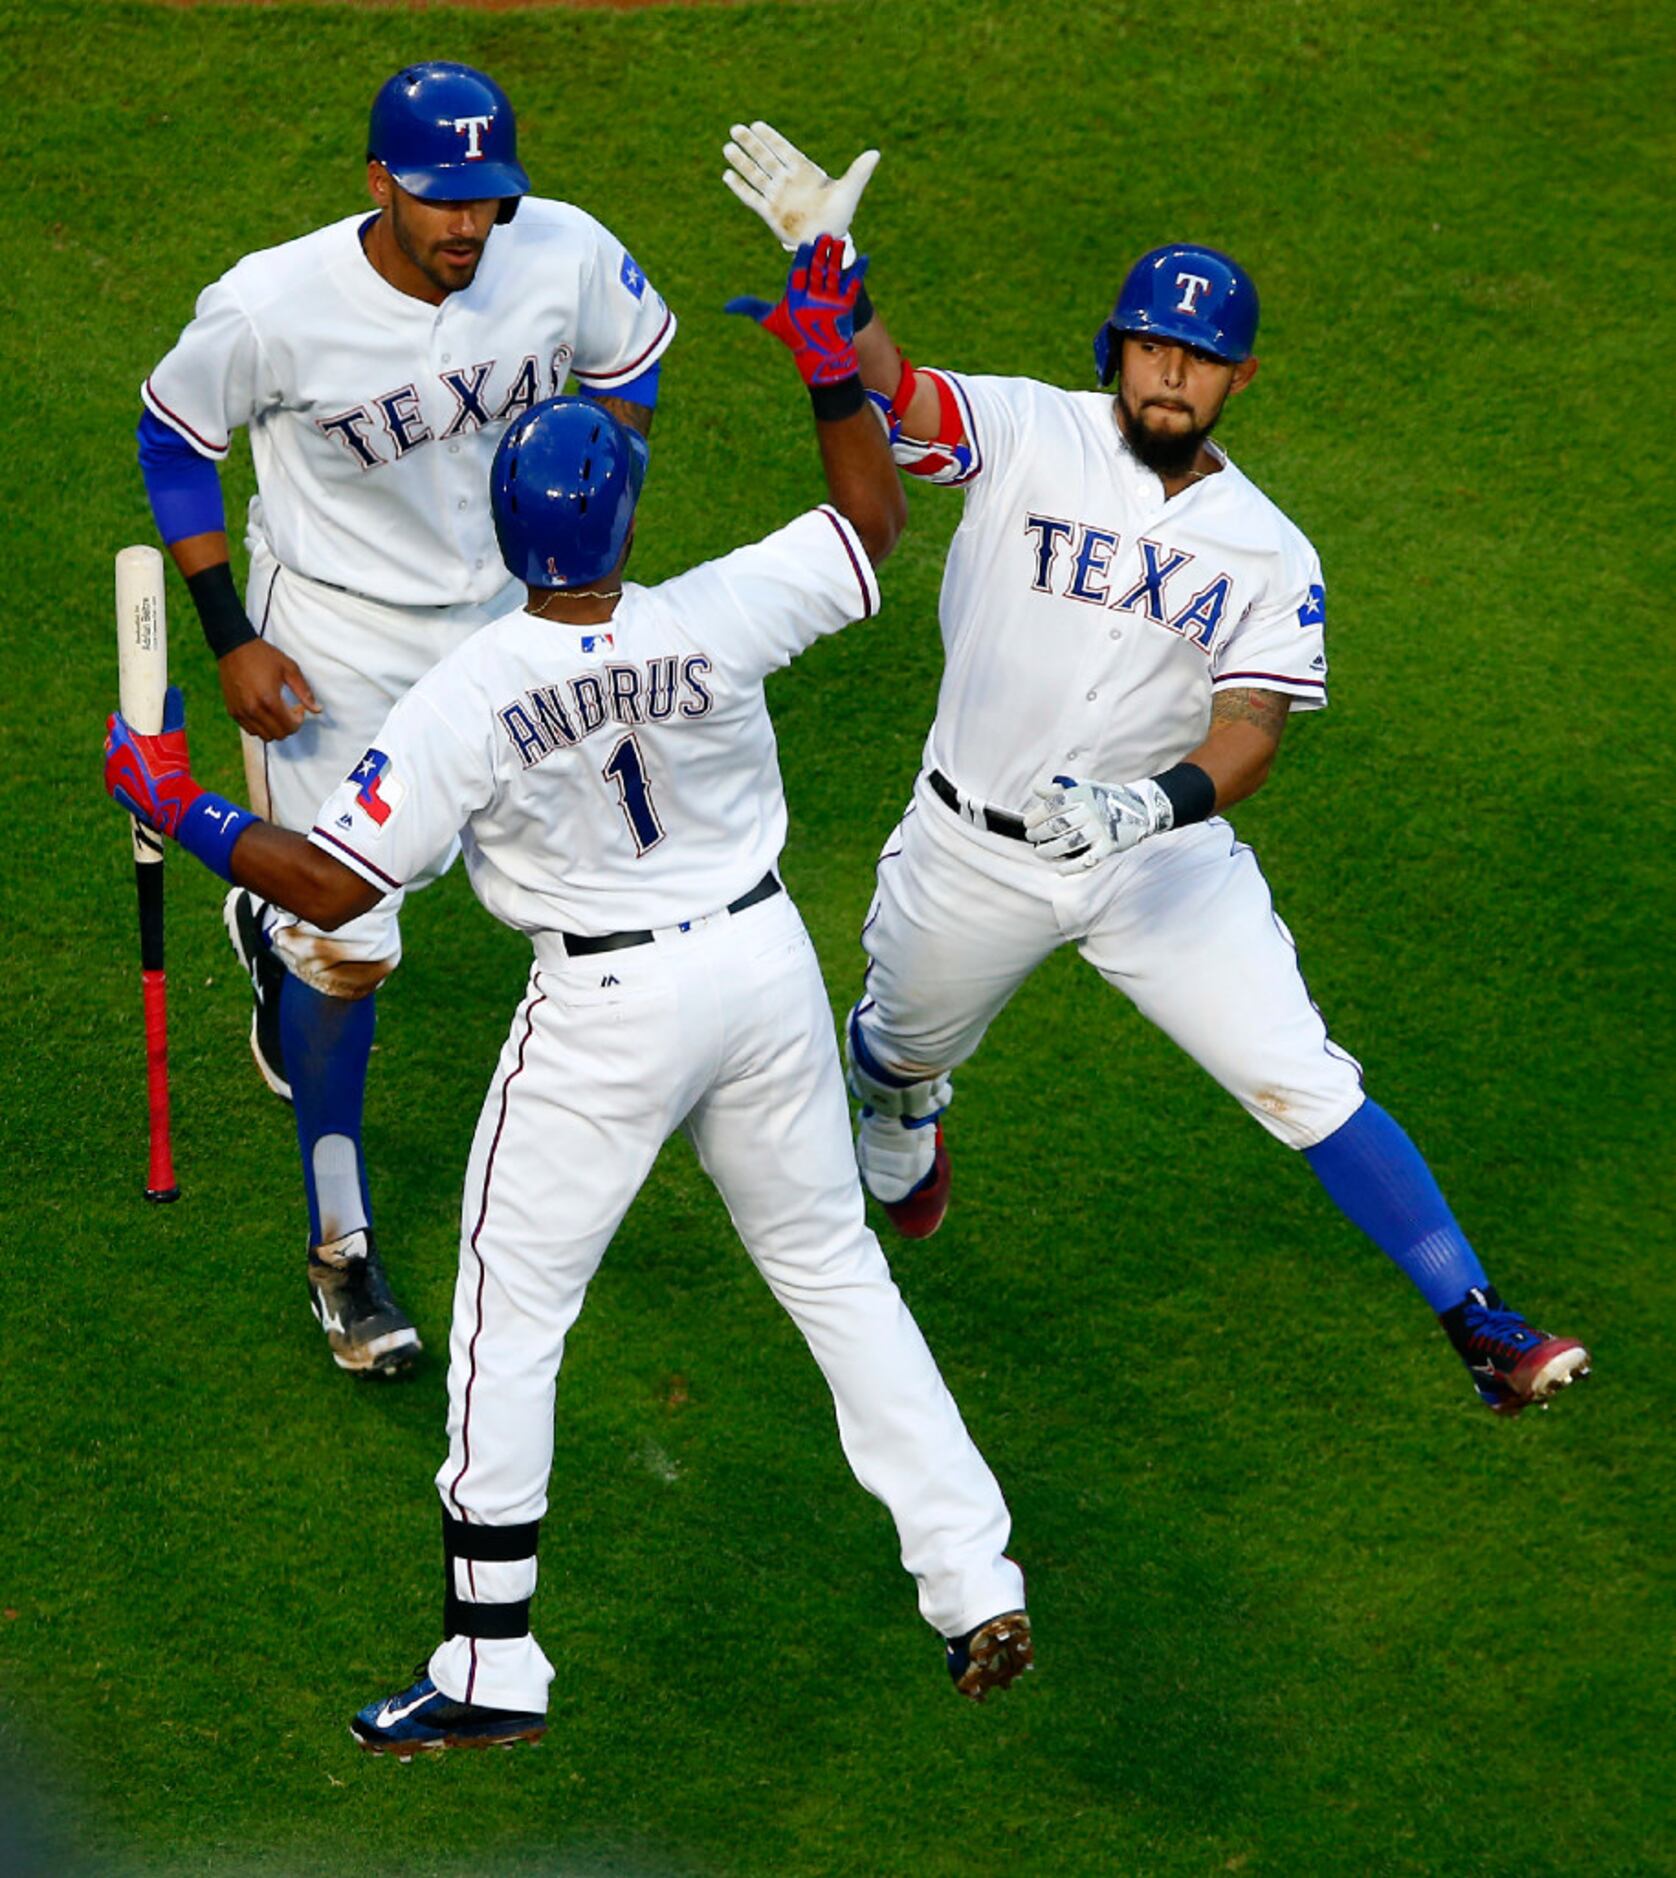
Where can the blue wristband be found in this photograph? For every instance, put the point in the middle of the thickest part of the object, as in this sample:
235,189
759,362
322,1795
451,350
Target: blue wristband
208,830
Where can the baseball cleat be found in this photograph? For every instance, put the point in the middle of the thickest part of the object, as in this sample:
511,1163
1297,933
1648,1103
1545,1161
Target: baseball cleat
352,1301
422,1719
918,1214
241,914
1512,1365
993,1655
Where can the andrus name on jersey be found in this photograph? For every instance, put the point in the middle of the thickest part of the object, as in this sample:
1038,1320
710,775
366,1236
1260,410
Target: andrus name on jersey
399,415
1077,560
558,717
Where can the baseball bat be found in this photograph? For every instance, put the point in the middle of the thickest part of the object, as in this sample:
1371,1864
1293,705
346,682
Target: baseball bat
142,643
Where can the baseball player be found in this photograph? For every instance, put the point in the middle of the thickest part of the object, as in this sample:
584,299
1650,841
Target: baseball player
1127,624
607,754
376,364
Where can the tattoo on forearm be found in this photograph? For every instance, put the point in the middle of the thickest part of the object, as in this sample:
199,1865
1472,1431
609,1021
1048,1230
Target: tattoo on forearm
1265,709
626,411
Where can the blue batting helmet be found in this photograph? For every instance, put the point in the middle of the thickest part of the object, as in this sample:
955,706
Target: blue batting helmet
446,133
1195,296
562,491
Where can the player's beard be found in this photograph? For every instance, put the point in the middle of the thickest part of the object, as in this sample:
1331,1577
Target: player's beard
445,275
1164,452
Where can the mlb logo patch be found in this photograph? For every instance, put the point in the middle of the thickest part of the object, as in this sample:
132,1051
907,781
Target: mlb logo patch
379,794
597,642
632,278
1313,612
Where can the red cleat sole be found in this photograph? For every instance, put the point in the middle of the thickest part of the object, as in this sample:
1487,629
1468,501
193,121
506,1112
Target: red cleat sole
918,1214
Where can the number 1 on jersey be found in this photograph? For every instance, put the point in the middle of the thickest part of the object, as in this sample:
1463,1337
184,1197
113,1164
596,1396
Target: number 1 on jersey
628,772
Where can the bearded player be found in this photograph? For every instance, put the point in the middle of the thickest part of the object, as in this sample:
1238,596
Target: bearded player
376,364
608,753
1127,622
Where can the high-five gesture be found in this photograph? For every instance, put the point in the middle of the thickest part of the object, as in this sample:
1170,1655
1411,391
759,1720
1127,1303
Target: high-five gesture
792,194
815,317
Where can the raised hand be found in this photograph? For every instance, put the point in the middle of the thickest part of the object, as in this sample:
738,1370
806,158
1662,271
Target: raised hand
814,318
792,194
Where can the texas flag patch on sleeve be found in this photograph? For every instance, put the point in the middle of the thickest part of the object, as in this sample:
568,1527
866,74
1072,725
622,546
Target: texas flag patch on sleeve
1313,612
379,791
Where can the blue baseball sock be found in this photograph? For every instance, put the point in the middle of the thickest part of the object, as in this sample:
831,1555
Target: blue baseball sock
1376,1178
327,1042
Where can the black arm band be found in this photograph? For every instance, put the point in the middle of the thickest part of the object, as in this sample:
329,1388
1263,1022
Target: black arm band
220,611
863,313
1191,792
843,399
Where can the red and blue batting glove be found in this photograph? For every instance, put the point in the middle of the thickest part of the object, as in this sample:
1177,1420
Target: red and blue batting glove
815,317
152,779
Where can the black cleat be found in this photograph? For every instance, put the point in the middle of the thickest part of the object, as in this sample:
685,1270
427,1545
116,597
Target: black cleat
241,914
421,1719
368,1330
1512,1364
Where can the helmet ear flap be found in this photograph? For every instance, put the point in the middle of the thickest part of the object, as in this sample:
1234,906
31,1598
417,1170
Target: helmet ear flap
1107,347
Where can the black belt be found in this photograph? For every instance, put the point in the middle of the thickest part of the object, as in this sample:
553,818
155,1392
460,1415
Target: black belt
997,821
579,945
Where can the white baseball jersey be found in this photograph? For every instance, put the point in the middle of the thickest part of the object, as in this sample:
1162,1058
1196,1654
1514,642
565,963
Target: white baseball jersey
374,416
1086,620
614,777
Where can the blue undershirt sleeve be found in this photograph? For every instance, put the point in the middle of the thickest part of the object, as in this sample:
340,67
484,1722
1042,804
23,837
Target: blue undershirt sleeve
641,390
183,487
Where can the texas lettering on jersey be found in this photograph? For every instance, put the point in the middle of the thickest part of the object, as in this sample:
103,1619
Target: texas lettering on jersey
1174,598
1090,569
558,717
390,426
346,386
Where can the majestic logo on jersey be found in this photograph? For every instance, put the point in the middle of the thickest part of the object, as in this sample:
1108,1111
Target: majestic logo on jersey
560,716
472,129
1192,285
380,794
1081,562
394,424
631,276
1313,612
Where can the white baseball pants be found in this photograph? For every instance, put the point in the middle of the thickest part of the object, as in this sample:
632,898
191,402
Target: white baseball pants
360,657
1183,925
723,1030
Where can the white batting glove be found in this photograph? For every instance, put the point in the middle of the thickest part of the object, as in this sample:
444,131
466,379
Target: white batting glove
1076,825
792,194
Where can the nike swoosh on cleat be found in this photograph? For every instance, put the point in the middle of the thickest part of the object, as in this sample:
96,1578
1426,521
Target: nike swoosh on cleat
389,1714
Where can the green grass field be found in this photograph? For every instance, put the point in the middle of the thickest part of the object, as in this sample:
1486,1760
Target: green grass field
1302,1606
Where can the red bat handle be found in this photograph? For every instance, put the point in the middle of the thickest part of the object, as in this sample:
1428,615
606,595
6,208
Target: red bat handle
160,1180
160,1185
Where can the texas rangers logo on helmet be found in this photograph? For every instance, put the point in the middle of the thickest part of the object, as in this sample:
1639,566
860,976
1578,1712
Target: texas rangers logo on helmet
472,129
1192,286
